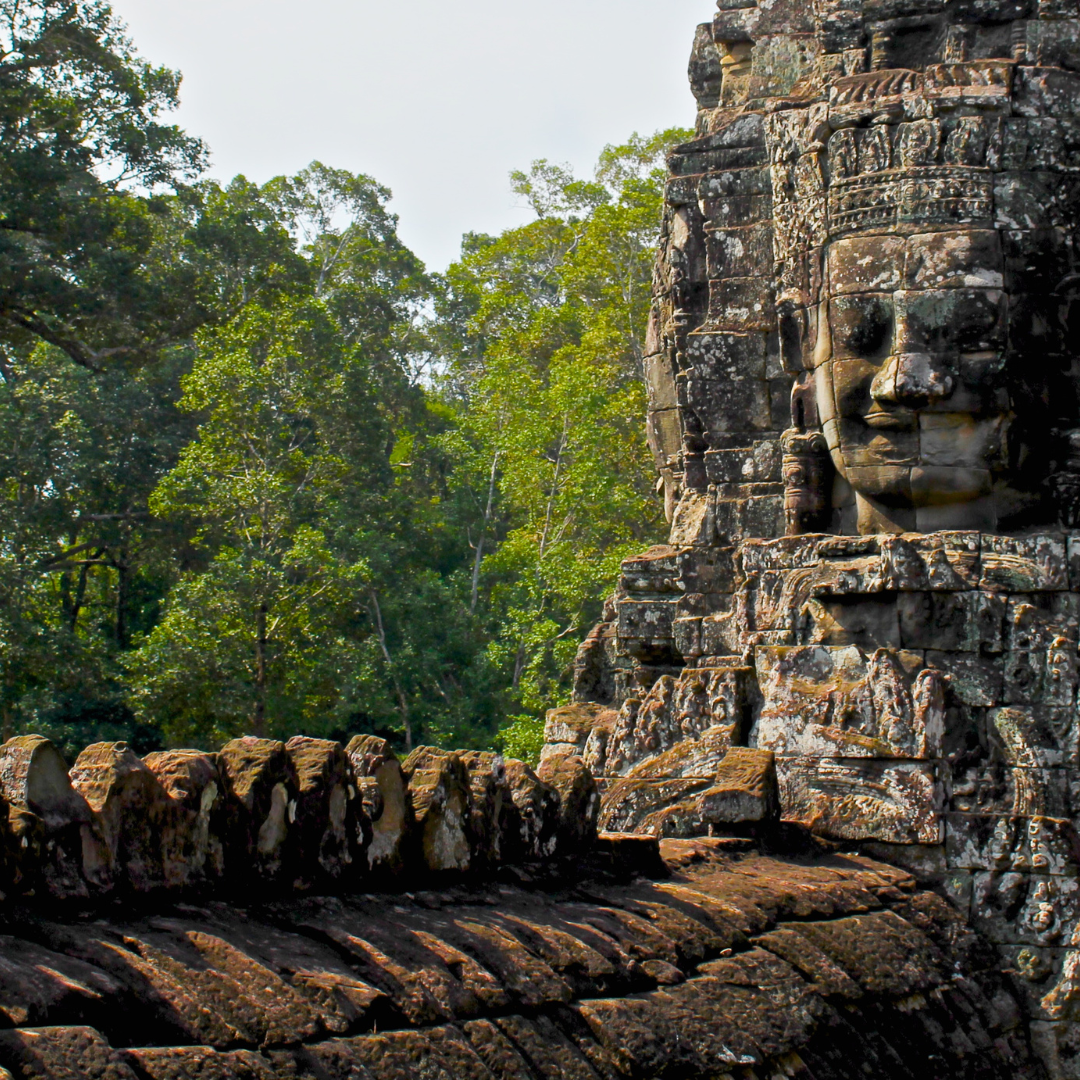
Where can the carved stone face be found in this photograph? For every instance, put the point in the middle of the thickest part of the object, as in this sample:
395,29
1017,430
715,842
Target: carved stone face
909,368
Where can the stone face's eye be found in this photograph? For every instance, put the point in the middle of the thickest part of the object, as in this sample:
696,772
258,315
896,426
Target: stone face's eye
861,326
952,320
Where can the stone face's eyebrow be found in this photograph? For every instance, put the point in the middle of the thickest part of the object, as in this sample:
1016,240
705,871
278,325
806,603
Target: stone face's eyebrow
866,264
955,259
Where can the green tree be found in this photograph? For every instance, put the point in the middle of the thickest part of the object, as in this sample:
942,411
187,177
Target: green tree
314,486
81,562
542,332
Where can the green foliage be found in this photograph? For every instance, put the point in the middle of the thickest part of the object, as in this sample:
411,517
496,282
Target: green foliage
259,472
542,331
522,737
110,247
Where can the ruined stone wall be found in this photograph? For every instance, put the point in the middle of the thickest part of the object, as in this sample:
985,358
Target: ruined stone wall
722,962
912,696
307,911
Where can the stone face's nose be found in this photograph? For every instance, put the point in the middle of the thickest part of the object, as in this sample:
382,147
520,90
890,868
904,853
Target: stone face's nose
911,379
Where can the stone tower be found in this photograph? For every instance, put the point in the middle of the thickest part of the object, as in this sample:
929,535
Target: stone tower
863,373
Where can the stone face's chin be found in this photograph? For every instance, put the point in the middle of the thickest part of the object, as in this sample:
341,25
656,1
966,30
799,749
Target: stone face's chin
877,452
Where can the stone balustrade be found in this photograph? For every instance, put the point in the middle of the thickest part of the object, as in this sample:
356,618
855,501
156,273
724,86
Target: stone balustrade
259,814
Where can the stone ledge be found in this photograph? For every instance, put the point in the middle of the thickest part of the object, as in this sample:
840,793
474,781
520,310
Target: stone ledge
835,966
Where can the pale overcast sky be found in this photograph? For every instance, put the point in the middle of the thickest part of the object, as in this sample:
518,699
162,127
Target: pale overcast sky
439,101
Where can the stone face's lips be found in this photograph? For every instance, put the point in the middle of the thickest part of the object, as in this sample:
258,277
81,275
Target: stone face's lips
892,421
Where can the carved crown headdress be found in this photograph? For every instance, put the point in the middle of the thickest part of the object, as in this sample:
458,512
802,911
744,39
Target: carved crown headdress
889,151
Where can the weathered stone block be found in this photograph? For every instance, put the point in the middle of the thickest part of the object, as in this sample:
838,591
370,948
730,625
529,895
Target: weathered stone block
741,304
995,788
693,524
786,553
687,636
1032,737
970,621
439,791
690,756
1012,844
861,800
330,829
572,724
1041,666
720,635
729,355
679,711
745,788
193,852
1024,564
388,805
34,781
940,561
742,251
972,679
532,822
764,513
261,789
753,180
740,403
833,701
1035,977
628,803
847,576
61,1052
1025,908
579,803
660,382
663,430
869,622
489,799
1058,1045
1046,91
647,620
131,808
773,600
654,571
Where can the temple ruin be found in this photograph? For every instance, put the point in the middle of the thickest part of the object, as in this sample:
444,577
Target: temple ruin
812,812
863,405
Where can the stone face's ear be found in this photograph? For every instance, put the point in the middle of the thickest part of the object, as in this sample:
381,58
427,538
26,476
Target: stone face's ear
794,330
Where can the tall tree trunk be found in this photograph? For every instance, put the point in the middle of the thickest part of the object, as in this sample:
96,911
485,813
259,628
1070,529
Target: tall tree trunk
258,720
403,701
80,592
121,600
519,666
475,595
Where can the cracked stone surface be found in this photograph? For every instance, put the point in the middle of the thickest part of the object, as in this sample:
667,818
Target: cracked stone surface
732,962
